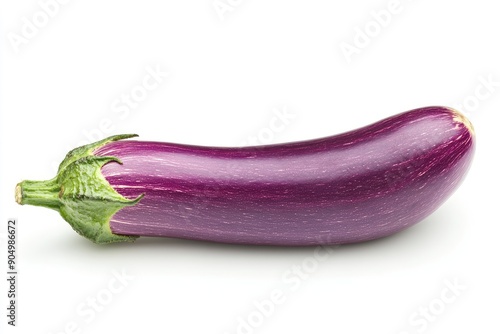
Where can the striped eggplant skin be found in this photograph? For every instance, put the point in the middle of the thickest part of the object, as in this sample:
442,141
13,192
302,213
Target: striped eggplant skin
357,186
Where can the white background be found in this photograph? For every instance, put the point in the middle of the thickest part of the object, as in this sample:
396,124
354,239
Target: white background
229,73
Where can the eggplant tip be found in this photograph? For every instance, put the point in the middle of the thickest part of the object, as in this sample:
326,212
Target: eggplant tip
459,117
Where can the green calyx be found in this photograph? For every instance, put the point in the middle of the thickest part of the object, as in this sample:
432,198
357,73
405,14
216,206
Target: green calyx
81,194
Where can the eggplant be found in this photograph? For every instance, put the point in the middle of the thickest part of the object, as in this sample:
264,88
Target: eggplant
352,187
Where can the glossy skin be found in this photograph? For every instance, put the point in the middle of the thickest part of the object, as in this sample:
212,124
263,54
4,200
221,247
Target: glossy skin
357,186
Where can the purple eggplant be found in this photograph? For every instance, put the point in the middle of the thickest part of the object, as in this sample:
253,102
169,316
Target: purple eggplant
357,186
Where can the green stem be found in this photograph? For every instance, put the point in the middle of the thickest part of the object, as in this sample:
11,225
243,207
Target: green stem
81,194
39,193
